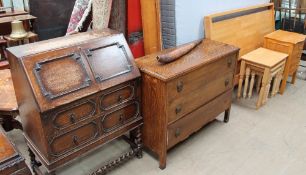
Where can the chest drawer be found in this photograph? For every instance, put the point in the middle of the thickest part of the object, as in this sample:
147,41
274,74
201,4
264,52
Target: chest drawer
189,92
181,129
71,115
117,96
120,117
74,139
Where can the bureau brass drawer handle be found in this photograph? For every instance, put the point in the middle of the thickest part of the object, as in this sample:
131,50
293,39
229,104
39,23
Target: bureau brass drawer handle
75,140
180,86
229,62
226,83
178,109
177,132
72,118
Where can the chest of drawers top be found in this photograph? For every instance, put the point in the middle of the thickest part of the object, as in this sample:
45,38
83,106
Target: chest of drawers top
61,74
207,52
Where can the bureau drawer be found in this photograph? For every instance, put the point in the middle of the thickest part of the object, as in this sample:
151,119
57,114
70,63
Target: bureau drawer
117,96
181,129
71,140
189,92
73,114
120,117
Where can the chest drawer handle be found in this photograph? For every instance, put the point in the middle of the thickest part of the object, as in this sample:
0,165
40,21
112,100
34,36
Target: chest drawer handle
180,86
178,109
226,83
72,118
120,98
75,140
177,132
229,62
121,116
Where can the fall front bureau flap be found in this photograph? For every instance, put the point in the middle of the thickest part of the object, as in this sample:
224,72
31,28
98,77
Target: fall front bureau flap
63,75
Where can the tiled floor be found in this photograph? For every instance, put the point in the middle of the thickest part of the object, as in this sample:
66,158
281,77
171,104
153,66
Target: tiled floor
268,141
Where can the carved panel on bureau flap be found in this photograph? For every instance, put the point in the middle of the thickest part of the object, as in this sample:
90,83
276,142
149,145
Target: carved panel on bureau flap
123,115
67,142
56,81
109,61
73,114
117,96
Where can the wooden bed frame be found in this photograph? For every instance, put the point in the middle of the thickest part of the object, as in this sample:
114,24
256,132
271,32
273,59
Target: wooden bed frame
244,28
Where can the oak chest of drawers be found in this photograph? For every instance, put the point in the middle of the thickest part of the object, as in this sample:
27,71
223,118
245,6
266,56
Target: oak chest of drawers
76,93
181,97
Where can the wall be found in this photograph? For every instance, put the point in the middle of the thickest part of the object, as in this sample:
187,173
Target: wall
190,13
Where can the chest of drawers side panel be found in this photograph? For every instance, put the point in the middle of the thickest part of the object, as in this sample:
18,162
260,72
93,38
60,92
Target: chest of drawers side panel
154,109
27,106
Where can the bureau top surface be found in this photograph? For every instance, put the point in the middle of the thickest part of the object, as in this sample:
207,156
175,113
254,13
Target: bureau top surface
285,36
56,43
208,51
265,57
68,69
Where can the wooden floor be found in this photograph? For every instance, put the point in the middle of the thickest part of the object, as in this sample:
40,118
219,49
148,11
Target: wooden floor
268,141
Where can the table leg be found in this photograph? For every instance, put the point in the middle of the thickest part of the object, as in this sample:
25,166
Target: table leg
274,88
267,90
259,80
246,84
263,87
280,77
241,76
285,77
252,84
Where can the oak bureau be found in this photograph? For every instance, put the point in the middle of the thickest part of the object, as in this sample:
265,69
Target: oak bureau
181,97
76,93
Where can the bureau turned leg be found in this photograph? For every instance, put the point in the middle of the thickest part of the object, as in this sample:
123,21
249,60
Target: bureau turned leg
227,115
138,143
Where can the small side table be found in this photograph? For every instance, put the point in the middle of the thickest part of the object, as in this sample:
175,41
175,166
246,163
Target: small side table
11,161
30,38
263,63
8,103
291,44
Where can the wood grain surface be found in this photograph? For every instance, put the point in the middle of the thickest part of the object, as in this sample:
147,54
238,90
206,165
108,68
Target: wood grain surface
8,98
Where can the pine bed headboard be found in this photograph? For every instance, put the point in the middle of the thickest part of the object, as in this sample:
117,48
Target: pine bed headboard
244,28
